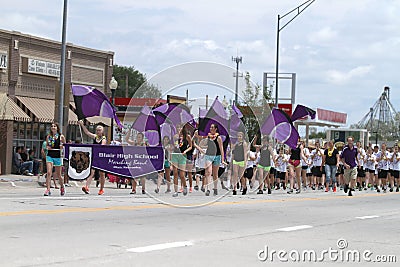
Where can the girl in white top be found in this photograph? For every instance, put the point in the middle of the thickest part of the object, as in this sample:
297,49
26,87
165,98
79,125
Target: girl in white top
304,165
281,161
200,163
390,173
369,167
383,167
316,156
360,170
396,167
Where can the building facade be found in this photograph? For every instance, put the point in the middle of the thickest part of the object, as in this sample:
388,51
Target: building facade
30,89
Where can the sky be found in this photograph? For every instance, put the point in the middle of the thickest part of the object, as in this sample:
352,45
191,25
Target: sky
343,52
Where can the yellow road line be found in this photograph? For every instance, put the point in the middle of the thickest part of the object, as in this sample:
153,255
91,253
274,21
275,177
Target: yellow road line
158,206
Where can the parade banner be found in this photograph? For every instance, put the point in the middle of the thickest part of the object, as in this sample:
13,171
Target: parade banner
80,159
127,161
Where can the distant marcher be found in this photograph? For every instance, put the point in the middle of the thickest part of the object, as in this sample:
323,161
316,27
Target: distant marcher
350,162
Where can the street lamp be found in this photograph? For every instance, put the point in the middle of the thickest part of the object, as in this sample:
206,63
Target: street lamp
113,86
237,60
299,10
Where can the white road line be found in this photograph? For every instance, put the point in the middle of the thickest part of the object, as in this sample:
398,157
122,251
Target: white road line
368,217
161,246
294,228
13,184
76,184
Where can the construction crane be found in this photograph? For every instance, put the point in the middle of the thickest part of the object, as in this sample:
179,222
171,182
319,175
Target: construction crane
382,119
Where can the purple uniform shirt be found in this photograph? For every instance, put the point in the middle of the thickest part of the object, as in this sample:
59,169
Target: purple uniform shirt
349,156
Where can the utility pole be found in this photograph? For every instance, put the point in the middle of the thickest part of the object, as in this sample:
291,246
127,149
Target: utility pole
126,85
299,10
62,70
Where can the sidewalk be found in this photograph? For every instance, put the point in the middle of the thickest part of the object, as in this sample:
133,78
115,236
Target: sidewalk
17,178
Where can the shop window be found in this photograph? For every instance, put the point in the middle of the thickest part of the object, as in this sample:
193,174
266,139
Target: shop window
35,131
15,130
21,130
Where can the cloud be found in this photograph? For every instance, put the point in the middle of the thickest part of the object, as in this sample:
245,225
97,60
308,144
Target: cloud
332,46
324,35
340,77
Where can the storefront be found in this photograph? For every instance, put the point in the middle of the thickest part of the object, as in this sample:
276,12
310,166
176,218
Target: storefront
29,85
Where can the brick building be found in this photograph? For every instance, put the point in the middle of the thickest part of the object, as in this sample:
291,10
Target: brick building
29,88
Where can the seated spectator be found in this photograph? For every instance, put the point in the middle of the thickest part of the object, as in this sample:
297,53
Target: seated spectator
23,154
22,167
36,162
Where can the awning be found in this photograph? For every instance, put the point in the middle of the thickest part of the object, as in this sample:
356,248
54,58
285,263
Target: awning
93,120
9,110
72,118
43,109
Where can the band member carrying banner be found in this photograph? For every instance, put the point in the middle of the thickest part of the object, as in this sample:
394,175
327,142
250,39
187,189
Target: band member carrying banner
98,139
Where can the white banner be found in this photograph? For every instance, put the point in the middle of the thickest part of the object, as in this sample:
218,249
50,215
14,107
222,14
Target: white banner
80,162
42,67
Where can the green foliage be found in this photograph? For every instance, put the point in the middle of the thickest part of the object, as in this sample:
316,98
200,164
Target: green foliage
317,135
255,107
138,86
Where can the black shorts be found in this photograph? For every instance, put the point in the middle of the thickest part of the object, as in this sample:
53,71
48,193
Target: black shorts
316,171
382,174
96,174
323,170
340,170
396,174
220,171
309,174
369,171
304,167
360,172
200,171
248,173
281,175
272,171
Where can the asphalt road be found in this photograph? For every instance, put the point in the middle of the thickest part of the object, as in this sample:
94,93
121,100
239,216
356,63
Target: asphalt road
118,229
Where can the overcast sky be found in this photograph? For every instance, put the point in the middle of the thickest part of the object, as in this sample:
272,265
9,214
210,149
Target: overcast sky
343,51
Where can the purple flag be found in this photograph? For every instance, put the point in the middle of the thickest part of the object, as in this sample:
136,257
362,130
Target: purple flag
236,125
146,123
237,111
279,125
202,112
302,111
177,114
91,102
216,115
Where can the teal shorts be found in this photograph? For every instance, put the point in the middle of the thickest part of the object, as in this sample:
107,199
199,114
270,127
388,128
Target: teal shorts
215,160
56,161
167,164
178,159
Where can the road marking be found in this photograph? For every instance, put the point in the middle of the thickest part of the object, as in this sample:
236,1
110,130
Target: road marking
12,184
159,205
75,183
294,228
367,217
161,246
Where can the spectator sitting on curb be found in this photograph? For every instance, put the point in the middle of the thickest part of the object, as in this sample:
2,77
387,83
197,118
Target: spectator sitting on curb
23,167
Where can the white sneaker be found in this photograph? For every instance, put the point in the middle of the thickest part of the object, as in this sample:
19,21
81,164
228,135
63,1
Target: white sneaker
29,174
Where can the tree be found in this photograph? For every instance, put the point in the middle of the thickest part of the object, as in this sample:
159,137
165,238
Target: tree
254,107
138,86
317,135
